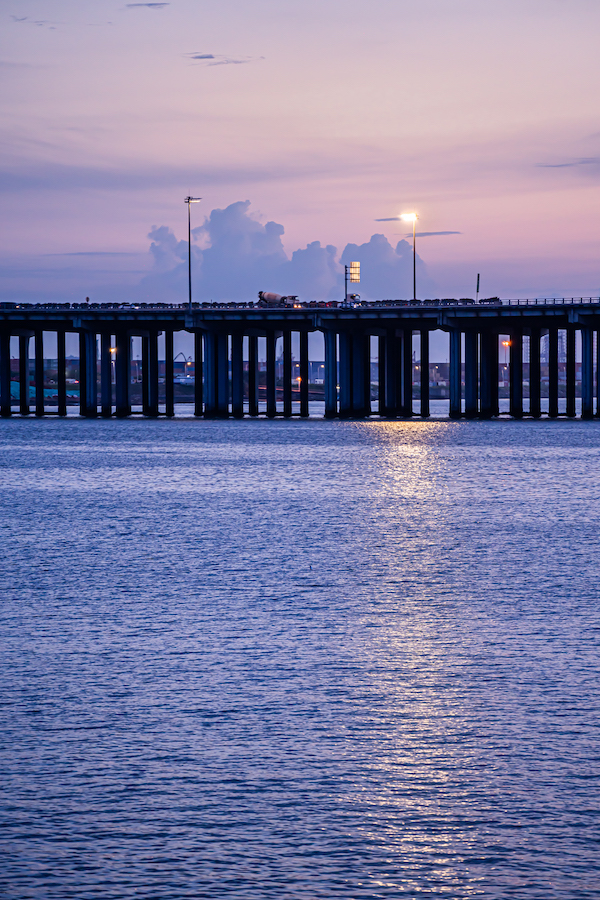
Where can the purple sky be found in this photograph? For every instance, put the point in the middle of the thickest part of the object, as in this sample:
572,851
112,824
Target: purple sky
481,115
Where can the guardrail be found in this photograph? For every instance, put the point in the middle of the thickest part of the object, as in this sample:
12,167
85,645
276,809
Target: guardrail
312,304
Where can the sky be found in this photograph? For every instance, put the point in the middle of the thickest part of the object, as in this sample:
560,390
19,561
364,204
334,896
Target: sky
300,124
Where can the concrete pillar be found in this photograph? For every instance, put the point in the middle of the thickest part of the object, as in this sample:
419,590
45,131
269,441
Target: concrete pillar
455,373
406,374
393,379
587,373
471,386
39,372
253,375
88,400
304,374
516,374
570,372
287,374
486,365
271,393
345,374
24,374
5,397
237,374
535,374
361,382
553,372
223,375
122,374
152,380
424,353
62,373
199,386
598,373
145,378
331,377
169,374
105,375
210,374
381,374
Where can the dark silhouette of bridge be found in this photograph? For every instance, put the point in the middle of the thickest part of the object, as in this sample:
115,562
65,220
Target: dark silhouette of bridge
227,379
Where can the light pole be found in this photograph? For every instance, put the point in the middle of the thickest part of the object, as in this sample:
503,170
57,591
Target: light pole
412,217
189,201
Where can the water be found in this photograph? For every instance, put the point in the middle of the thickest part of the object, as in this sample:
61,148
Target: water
306,660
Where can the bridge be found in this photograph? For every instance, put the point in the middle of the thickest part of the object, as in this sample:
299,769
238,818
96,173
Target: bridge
226,355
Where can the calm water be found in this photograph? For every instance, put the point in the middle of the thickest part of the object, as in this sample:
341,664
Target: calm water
302,660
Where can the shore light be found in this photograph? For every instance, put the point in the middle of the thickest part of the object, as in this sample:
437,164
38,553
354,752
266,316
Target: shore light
412,217
189,201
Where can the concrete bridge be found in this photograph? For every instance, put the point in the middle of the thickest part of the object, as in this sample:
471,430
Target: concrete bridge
226,382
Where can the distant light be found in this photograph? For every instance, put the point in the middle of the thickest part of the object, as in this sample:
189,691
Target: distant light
113,349
409,217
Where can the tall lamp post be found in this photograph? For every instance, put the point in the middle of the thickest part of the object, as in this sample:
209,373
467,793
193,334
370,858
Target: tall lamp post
412,217
189,201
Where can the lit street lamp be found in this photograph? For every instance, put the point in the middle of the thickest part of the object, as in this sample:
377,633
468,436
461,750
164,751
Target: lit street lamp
190,200
412,217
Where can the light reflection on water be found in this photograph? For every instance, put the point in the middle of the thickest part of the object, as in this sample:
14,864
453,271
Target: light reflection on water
304,659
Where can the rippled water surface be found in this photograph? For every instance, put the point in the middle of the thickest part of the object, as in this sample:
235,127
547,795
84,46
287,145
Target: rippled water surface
299,659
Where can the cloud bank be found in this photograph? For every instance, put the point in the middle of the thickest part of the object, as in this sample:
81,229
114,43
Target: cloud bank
234,256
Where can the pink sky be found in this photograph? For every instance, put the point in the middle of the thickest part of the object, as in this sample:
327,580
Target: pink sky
482,115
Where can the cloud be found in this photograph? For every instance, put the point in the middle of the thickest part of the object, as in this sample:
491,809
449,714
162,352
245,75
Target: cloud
148,5
584,161
214,59
234,256
432,233
41,23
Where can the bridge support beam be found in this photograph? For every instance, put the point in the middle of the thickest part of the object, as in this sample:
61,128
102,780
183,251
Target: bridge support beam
489,375
237,374
331,377
304,374
587,373
271,360
455,374
151,377
169,374
24,373
62,372
105,376
391,374
424,353
406,374
553,372
471,386
598,374
39,372
87,375
516,375
122,374
571,406
217,375
535,374
253,375
199,390
287,374
5,397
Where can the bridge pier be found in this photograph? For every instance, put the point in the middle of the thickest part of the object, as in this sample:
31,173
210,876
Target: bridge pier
471,380
122,374
304,374
39,371
489,375
61,373
24,377
169,375
587,373
5,395
199,392
237,374
553,372
270,376
598,374
331,375
287,374
406,373
424,353
516,375
571,408
253,375
105,376
535,374
88,399
455,373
